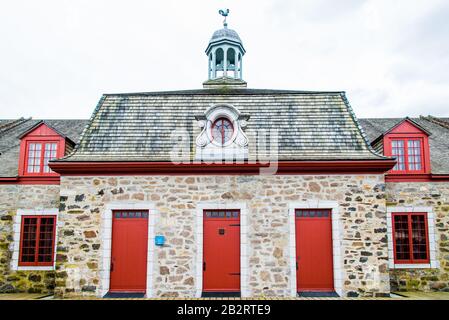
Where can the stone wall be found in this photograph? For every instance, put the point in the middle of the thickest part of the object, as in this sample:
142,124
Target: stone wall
363,220
425,194
13,197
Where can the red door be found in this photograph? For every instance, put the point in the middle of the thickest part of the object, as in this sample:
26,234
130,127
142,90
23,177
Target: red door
129,251
314,266
221,251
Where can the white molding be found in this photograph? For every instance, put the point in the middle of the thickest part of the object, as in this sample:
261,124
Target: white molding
336,241
209,149
434,263
17,226
244,244
106,242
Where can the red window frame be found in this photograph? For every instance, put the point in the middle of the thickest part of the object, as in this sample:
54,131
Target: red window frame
24,153
410,231
222,130
37,241
406,154
43,144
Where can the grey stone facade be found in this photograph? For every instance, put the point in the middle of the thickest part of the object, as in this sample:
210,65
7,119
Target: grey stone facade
12,198
361,206
436,196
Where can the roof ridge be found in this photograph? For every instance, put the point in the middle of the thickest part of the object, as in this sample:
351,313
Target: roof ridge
360,128
221,92
438,121
12,124
86,127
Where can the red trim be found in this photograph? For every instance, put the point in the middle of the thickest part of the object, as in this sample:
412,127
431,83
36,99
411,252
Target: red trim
410,238
408,177
5,180
36,250
416,178
168,168
388,178
54,179
442,177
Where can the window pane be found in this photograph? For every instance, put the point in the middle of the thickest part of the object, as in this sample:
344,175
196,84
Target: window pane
34,158
414,155
317,213
229,214
222,130
46,236
50,154
401,237
398,151
29,236
419,238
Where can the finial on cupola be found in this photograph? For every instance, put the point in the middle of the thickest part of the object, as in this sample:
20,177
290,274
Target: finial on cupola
225,14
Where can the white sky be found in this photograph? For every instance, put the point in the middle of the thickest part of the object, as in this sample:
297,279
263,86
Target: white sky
58,57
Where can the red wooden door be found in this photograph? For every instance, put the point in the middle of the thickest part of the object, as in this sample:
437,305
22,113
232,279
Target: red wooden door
221,251
314,268
129,251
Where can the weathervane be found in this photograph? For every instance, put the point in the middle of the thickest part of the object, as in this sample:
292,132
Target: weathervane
225,14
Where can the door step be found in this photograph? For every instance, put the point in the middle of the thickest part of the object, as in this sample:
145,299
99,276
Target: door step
318,294
120,295
220,295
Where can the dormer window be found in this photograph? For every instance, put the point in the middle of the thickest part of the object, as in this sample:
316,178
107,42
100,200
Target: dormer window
409,144
38,146
222,130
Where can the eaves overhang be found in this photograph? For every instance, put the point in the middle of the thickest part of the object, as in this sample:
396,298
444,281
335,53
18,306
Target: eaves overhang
198,168
224,41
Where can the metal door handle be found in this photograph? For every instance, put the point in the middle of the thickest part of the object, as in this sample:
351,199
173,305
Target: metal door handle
112,266
204,266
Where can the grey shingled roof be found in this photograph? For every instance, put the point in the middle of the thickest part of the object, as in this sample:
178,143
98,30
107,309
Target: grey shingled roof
438,139
225,33
10,142
137,127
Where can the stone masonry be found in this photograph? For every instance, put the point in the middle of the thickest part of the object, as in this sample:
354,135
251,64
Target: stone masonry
426,194
363,223
13,197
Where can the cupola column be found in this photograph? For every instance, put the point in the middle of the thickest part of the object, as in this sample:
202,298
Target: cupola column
236,65
209,67
214,64
225,62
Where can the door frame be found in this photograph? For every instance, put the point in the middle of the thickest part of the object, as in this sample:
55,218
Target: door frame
244,244
336,241
106,243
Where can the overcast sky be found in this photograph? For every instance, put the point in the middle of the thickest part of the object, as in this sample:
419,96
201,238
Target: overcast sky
58,57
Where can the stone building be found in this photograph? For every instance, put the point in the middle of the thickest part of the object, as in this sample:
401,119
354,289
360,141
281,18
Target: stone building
224,190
